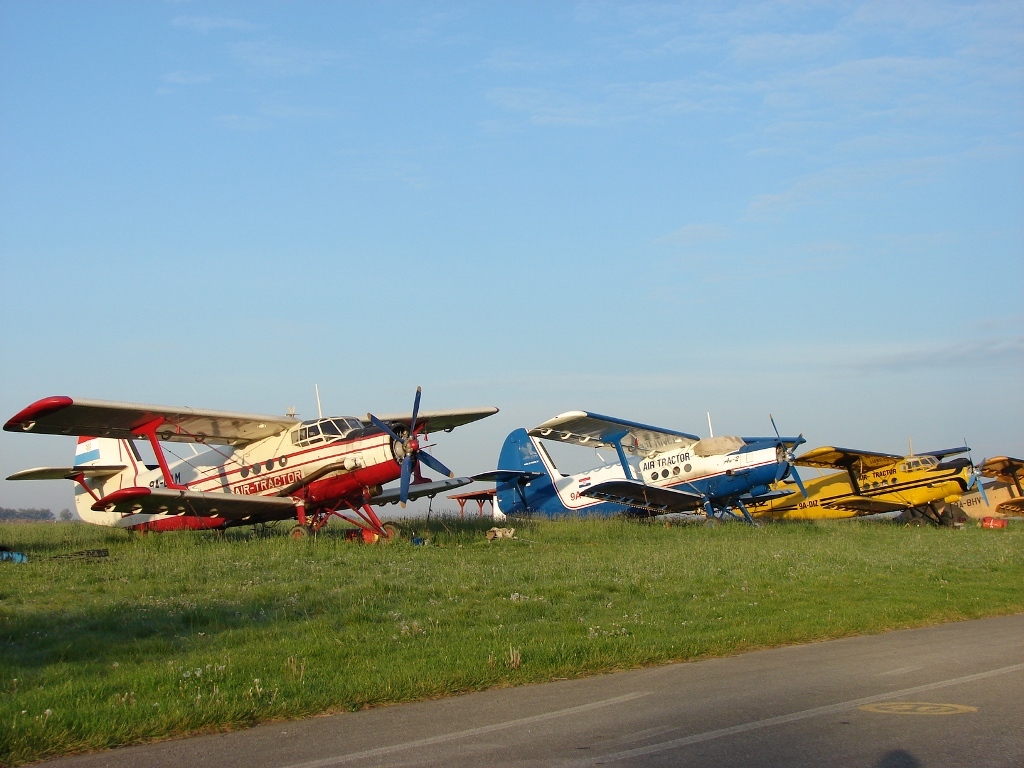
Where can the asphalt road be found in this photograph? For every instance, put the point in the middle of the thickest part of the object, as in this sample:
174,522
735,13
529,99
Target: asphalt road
951,695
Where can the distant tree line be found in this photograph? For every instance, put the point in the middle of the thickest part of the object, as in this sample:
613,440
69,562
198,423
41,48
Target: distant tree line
26,515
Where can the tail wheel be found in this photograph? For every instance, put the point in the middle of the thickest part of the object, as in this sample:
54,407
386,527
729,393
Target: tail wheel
299,532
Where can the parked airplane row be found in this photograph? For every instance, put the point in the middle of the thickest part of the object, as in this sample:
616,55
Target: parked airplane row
259,469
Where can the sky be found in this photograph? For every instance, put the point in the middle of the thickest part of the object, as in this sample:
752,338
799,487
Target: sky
653,211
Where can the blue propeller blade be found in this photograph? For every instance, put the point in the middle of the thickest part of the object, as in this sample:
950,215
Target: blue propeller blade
415,410
403,493
383,427
433,463
981,488
796,479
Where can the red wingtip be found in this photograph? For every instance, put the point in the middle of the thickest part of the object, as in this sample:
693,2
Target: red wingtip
25,419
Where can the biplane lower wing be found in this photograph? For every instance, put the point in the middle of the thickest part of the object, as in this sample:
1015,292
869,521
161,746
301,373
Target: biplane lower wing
419,490
862,505
1012,507
68,473
593,430
167,501
830,457
649,498
126,421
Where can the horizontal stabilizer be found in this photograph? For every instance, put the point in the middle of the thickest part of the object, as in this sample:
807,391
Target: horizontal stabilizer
649,498
507,476
419,490
169,501
68,473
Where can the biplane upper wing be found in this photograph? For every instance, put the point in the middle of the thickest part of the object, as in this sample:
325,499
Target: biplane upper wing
862,505
649,498
946,452
104,418
829,457
169,501
596,431
436,421
1003,468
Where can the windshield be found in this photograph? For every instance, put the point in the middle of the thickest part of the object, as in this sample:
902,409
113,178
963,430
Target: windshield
324,430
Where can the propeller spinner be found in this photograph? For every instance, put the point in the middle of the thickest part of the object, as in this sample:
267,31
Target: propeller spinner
410,449
786,455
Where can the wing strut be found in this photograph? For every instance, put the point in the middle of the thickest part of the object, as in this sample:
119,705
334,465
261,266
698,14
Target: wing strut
149,430
616,440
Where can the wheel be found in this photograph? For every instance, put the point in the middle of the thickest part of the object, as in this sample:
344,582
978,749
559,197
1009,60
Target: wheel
392,533
918,522
299,532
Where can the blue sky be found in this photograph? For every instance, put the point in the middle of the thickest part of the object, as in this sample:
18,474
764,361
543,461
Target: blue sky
809,209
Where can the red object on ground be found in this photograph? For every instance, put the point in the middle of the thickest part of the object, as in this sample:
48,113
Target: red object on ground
992,522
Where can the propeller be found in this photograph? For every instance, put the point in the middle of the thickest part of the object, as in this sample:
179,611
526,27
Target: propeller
411,450
976,476
786,457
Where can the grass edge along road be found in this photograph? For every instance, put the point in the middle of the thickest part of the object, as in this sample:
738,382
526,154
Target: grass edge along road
196,632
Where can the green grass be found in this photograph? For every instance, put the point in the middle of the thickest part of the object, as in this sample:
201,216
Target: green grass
181,633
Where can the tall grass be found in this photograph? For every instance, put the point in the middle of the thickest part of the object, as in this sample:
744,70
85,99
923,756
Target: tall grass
188,632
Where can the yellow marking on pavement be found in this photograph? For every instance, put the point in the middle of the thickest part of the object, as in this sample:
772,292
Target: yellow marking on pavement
917,708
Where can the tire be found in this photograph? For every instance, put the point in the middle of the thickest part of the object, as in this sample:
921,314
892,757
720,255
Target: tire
299,532
393,533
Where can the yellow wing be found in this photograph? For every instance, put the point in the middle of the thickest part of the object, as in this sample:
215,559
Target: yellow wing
1003,468
829,457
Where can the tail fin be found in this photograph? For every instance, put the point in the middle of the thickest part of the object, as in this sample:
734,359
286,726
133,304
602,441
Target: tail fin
514,496
105,451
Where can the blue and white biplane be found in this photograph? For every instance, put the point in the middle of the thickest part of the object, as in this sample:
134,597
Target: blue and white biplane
659,471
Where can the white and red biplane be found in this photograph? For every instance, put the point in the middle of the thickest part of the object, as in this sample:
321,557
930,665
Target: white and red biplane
256,469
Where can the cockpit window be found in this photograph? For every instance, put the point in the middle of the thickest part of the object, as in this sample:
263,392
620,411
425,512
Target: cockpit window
328,430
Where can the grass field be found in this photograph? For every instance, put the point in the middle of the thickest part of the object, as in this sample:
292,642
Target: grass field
180,633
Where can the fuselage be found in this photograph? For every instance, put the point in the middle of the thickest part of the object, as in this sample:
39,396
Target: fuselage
750,468
319,463
913,482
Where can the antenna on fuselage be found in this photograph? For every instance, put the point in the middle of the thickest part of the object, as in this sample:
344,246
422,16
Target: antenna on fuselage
710,428
910,442
319,410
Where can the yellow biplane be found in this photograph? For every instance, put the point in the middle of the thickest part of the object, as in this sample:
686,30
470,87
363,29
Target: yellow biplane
1003,496
871,483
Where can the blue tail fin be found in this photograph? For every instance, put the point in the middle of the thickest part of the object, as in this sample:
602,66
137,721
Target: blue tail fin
514,496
